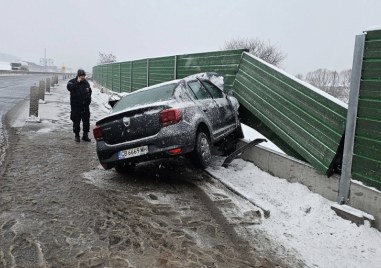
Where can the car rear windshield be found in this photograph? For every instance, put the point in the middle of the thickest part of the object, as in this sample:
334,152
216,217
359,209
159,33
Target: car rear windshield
143,97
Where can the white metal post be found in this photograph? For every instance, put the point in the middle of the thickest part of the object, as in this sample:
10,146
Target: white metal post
346,173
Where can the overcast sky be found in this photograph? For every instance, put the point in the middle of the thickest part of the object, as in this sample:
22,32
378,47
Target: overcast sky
312,33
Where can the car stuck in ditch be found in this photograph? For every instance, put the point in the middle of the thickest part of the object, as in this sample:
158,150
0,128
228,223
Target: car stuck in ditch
180,117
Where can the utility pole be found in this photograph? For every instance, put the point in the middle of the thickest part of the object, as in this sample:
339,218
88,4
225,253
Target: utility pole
46,62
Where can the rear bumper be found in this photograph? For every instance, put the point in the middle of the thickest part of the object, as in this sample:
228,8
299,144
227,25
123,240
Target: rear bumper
158,146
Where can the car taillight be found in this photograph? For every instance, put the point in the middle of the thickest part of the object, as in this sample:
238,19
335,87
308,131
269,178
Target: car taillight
170,117
98,134
175,151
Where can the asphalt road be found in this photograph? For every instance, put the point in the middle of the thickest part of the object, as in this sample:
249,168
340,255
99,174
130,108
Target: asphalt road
14,88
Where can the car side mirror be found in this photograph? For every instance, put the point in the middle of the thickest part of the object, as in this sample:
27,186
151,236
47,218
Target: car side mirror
229,92
112,103
113,99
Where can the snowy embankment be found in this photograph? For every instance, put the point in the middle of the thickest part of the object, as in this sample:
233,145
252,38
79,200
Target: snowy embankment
299,219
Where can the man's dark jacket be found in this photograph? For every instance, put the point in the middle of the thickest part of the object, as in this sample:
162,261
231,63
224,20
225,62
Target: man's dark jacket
80,93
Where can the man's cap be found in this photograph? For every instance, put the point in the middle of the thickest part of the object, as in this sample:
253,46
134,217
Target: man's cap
81,73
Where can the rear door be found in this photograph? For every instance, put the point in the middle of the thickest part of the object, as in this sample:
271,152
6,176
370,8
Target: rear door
207,104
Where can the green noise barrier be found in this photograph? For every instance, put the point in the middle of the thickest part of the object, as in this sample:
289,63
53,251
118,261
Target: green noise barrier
366,165
302,120
132,75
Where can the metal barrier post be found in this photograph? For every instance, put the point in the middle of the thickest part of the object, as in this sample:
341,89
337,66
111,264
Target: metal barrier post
48,85
34,98
346,171
42,90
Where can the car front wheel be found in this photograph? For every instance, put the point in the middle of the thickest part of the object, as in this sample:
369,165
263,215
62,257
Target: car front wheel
202,153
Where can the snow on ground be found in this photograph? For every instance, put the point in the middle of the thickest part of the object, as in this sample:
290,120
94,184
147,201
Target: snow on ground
251,134
303,220
299,219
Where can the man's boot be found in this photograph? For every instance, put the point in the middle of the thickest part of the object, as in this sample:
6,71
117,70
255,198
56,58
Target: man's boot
85,137
76,138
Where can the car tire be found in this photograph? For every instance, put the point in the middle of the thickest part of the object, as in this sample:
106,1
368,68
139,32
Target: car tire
124,168
202,152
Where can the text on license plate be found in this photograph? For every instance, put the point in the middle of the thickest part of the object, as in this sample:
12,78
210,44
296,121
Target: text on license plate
133,152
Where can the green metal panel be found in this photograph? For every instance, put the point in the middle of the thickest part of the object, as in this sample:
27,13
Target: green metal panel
223,62
371,69
303,119
161,70
104,75
133,75
373,35
139,74
125,76
372,49
97,73
366,165
116,77
109,76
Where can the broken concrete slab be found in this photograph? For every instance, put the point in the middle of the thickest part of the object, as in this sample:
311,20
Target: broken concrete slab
354,215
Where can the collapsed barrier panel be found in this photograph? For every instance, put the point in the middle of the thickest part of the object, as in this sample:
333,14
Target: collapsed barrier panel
302,120
133,75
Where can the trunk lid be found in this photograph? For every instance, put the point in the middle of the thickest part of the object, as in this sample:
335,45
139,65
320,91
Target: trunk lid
131,125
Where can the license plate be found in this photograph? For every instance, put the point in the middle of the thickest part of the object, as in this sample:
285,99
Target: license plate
133,152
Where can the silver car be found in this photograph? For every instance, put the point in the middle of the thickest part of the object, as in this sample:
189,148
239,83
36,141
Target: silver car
180,117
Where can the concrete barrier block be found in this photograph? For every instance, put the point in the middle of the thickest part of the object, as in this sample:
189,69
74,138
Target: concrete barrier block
354,215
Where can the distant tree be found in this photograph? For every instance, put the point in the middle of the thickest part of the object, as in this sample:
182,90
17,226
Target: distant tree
332,82
300,76
345,82
263,50
320,78
335,80
345,78
106,58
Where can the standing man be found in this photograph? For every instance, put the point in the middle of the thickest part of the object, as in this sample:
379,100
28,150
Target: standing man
80,99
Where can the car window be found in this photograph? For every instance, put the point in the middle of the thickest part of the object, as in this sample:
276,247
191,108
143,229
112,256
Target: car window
213,90
160,93
183,93
198,90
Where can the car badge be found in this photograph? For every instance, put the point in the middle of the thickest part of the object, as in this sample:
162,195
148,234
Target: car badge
126,121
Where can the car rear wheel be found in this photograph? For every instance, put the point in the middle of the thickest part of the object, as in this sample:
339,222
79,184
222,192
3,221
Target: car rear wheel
202,154
126,167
